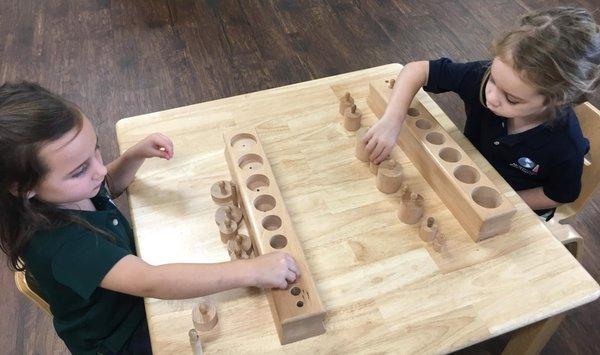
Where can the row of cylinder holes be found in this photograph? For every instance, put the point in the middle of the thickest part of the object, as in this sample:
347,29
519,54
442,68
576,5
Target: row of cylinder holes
484,196
265,203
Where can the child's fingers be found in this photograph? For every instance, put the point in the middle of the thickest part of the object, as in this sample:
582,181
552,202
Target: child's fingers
384,154
368,136
290,277
377,151
168,143
387,151
293,267
371,144
165,145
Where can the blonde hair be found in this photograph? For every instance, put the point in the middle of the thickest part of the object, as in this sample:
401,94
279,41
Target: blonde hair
557,51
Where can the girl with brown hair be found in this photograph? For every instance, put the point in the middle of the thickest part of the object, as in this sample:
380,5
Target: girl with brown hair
58,222
518,105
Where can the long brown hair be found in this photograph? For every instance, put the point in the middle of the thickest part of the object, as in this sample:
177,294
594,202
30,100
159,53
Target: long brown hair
30,116
557,51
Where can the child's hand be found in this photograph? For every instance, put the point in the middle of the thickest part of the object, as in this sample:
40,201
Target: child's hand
381,138
274,270
155,145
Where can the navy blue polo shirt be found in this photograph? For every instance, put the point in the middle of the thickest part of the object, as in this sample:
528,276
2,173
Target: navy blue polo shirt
547,156
69,263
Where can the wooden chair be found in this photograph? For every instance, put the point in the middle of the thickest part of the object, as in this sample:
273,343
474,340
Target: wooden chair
568,236
28,286
533,338
589,119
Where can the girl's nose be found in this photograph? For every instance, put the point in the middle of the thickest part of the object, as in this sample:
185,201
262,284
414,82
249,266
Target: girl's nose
100,170
492,97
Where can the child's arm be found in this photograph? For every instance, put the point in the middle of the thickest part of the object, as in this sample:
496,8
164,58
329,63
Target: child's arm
381,138
122,170
536,199
131,275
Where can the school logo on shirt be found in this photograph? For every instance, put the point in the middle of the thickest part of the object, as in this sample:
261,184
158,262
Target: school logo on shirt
526,163
527,166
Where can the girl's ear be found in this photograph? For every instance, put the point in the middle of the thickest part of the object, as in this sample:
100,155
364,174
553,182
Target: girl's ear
13,191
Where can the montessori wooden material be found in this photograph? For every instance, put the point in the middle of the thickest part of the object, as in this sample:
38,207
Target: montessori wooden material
345,101
204,316
239,247
195,342
429,229
472,197
411,207
234,213
359,146
223,192
439,243
228,229
373,168
389,176
352,117
385,290
297,311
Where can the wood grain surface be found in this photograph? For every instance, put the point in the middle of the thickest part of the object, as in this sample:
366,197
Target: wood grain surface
383,288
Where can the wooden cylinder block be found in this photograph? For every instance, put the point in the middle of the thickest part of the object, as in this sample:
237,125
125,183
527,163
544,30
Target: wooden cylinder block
222,192
479,206
389,176
232,212
373,168
429,229
345,102
360,152
228,229
439,243
297,312
411,208
195,342
239,247
352,117
204,316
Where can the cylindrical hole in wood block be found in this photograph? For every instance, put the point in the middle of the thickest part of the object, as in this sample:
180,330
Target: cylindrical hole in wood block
450,155
413,112
435,138
300,304
250,162
243,141
271,223
264,203
467,174
257,181
486,197
278,242
423,124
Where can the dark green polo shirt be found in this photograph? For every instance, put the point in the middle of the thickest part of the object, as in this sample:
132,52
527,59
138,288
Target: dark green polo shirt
69,263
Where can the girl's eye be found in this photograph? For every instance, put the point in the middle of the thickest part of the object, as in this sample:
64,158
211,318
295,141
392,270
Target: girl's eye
510,101
81,171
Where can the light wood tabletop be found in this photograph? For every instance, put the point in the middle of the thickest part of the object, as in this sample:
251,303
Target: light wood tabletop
382,287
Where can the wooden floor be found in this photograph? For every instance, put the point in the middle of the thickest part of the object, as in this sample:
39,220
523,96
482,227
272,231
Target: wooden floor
122,58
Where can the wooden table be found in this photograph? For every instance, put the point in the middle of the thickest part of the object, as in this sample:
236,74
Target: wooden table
383,288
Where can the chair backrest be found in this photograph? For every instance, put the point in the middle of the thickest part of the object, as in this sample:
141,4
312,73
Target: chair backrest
589,119
28,286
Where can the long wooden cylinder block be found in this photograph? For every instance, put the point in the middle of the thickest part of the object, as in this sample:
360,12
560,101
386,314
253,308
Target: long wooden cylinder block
468,193
297,311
